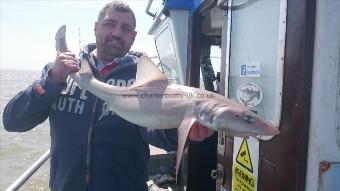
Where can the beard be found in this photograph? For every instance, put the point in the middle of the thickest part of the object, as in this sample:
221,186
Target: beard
114,48
111,47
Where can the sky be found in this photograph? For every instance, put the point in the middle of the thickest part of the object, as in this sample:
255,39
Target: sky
28,27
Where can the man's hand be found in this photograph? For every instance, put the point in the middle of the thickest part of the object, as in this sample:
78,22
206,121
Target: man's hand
65,63
199,132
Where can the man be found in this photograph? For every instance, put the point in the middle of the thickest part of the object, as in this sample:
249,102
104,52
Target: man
91,147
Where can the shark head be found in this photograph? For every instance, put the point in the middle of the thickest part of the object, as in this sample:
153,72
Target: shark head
239,121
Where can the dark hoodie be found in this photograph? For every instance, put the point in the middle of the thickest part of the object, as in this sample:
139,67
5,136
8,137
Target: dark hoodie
91,147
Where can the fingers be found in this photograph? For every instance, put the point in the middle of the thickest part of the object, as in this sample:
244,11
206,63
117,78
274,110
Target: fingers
193,134
67,60
71,66
65,56
65,64
210,132
199,132
204,131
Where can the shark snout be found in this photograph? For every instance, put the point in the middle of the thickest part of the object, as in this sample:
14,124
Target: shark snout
269,129
275,131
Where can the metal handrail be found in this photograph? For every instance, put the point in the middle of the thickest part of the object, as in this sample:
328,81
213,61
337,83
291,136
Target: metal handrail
234,6
29,172
147,10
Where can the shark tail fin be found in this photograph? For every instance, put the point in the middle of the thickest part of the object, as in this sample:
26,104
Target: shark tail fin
60,40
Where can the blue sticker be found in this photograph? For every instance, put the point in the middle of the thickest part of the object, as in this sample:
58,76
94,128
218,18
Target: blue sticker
250,70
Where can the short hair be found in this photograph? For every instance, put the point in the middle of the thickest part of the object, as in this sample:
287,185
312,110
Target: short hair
117,6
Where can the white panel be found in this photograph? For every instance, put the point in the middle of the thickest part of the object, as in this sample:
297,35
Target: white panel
325,114
256,57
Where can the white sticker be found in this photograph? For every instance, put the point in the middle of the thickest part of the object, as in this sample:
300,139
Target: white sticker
250,70
249,94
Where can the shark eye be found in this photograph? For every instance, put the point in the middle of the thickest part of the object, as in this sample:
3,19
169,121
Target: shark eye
249,119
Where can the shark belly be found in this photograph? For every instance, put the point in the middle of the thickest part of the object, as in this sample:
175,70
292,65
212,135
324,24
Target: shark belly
156,113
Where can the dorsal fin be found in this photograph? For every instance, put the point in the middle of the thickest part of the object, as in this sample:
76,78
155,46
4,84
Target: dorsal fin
147,72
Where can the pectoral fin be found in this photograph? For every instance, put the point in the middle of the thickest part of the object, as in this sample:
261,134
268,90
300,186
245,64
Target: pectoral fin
183,131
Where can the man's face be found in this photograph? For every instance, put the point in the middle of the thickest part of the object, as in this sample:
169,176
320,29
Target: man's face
115,34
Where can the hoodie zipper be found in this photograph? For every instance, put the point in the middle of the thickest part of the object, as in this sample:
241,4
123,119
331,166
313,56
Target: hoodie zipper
88,147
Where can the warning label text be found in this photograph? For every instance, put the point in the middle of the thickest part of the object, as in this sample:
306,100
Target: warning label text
242,179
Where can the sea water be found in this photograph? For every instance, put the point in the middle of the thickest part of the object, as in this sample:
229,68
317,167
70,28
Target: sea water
18,151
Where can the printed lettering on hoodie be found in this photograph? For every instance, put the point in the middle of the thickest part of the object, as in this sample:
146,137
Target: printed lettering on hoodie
70,102
119,82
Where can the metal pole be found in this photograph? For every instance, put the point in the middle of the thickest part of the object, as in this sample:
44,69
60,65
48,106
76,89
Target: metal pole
29,172
147,10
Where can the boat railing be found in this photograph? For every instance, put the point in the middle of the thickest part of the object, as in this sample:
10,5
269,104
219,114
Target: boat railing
21,180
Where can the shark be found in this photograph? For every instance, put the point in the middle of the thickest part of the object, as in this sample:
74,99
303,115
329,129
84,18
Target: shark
154,102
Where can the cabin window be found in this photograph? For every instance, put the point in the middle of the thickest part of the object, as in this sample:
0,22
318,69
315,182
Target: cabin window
167,55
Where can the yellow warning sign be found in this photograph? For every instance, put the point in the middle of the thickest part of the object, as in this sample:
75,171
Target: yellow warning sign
243,156
242,179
